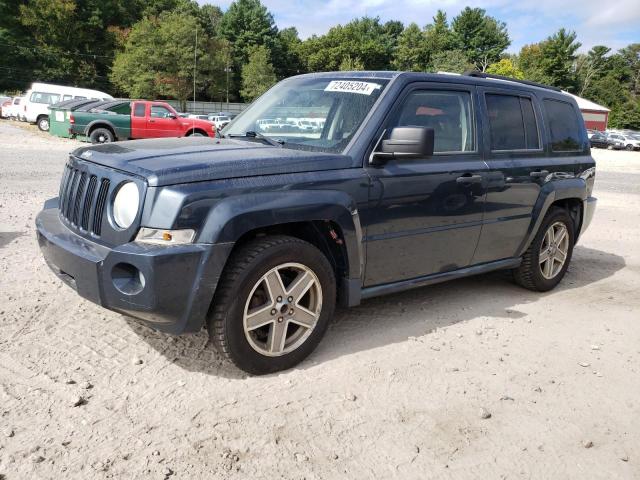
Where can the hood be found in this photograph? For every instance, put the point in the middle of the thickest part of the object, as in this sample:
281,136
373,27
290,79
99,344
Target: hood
194,159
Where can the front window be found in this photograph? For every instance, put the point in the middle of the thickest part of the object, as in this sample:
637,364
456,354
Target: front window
317,114
158,111
43,97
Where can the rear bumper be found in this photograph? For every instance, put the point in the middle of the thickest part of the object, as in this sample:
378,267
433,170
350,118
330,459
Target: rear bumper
589,208
167,288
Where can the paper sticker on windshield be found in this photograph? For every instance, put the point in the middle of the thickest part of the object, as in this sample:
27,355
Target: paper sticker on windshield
349,86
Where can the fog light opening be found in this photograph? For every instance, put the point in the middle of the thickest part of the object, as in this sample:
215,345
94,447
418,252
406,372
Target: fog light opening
127,279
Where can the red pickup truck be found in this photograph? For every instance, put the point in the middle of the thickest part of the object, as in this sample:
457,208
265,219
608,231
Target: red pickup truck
113,120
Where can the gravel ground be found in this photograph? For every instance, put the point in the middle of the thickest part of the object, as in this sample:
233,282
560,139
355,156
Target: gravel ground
475,378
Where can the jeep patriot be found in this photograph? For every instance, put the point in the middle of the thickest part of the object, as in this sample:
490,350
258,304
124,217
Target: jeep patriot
411,179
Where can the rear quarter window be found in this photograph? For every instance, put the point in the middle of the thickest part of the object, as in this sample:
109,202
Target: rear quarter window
139,110
564,126
124,109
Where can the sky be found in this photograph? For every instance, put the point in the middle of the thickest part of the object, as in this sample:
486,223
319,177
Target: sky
614,23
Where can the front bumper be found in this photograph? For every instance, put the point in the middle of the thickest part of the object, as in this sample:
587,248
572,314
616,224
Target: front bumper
167,288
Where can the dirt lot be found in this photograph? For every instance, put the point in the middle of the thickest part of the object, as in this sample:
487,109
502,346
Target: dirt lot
394,391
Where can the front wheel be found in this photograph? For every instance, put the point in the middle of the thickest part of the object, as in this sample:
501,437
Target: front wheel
43,124
546,261
273,304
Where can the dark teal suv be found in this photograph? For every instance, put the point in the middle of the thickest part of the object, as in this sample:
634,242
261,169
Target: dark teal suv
407,179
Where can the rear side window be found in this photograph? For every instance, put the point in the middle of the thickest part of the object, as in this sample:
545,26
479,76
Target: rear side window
139,110
43,97
566,134
447,112
512,123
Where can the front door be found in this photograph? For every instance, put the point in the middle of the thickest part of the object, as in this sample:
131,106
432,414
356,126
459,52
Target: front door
425,214
162,122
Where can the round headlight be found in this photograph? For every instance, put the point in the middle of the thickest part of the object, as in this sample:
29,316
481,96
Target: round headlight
126,204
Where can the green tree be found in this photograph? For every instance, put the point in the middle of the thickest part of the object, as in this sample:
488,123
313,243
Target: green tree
258,75
507,68
289,51
438,35
591,66
558,57
451,61
365,38
247,24
631,57
481,37
158,59
350,64
410,53
529,60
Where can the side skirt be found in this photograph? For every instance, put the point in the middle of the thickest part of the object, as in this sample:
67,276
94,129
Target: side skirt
394,287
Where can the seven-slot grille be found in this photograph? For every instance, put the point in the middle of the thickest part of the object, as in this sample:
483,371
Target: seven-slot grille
83,199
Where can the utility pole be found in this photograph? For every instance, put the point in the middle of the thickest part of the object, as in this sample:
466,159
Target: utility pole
195,62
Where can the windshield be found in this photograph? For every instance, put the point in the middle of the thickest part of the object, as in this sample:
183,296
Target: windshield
318,114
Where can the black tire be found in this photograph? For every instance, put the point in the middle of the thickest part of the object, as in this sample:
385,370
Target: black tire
529,274
43,123
101,135
243,271
629,148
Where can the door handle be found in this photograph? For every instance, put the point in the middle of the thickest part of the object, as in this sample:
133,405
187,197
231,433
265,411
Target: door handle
468,179
539,174
152,121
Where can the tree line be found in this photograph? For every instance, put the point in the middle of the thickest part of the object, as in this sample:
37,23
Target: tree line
148,49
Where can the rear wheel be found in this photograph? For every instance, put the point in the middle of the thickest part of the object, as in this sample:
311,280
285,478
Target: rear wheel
273,304
43,123
546,261
101,135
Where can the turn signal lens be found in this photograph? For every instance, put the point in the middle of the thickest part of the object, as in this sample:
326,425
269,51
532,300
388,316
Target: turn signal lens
165,237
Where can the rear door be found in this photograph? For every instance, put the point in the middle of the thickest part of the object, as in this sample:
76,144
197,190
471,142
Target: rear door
520,161
139,120
425,214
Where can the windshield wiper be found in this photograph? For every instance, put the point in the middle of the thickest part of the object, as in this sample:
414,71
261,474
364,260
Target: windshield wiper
259,136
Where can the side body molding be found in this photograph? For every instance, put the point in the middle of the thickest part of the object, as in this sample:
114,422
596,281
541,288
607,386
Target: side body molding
551,192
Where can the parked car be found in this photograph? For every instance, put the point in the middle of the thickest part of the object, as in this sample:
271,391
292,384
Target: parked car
201,117
220,121
598,140
123,120
13,111
5,107
4,99
416,179
41,95
626,141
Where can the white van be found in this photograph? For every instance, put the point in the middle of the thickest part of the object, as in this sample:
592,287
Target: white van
41,95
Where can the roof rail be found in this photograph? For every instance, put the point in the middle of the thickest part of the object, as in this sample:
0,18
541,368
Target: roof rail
478,74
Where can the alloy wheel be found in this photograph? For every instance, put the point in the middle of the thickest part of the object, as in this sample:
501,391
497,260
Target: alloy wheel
554,250
282,309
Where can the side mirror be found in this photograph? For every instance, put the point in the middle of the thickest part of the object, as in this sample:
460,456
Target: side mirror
172,116
405,142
